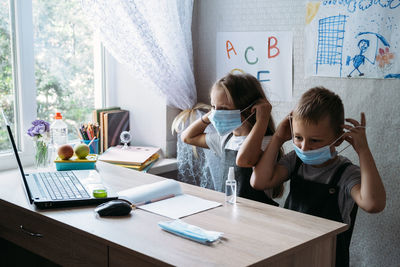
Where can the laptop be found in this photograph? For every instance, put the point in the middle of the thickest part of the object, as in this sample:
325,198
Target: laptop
60,188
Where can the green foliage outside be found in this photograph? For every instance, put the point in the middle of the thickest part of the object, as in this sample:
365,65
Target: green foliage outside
63,62
63,48
6,84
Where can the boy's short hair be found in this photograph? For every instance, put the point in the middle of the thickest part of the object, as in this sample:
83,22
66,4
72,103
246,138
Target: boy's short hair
316,104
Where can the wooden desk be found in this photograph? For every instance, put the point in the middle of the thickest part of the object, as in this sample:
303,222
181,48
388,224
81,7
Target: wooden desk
255,233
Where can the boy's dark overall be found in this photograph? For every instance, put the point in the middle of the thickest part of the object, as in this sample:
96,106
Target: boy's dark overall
322,200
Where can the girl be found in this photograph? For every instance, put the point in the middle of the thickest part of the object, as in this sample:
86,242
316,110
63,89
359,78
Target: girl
241,116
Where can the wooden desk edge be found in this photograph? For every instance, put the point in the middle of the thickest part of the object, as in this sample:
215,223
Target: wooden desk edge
187,188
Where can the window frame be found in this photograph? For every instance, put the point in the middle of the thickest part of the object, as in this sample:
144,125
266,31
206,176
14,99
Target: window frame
24,80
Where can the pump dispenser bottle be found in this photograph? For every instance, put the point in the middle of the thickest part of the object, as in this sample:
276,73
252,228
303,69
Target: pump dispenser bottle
230,187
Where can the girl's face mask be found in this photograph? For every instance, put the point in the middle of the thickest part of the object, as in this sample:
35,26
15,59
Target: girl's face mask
225,121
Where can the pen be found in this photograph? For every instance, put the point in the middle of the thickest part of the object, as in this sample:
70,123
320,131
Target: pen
88,134
154,200
92,141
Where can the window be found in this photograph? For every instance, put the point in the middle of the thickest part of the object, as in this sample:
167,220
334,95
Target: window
63,48
47,62
7,97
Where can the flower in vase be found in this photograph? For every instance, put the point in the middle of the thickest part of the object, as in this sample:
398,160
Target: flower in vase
40,131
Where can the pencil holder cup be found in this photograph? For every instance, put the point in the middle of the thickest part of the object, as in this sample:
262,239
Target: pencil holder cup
94,146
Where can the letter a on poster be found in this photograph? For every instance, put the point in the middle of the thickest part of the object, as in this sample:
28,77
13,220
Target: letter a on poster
265,55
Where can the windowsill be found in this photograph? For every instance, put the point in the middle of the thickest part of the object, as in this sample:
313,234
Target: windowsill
163,165
8,161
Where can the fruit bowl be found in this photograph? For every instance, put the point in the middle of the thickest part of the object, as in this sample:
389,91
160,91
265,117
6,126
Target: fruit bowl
74,163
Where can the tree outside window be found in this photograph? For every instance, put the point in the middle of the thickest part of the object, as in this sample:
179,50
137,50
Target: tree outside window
6,79
63,47
64,64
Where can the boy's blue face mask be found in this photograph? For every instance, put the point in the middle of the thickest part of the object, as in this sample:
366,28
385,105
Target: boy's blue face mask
225,121
316,156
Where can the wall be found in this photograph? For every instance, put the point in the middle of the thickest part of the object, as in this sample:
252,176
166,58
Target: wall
376,239
150,118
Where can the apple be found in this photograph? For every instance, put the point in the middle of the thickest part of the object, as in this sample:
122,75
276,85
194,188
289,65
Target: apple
81,151
65,152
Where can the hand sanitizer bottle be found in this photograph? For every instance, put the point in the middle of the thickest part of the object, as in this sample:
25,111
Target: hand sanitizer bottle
230,187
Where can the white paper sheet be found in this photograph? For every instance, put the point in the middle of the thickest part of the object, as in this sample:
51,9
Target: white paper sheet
175,206
180,206
265,55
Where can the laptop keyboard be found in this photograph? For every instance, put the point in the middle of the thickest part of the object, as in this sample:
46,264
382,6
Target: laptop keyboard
63,185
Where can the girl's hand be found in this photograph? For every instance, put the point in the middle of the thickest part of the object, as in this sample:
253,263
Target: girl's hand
205,119
262,108
284,131
356,134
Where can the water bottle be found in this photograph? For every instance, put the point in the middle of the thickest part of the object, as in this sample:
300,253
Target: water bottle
230,187
58,131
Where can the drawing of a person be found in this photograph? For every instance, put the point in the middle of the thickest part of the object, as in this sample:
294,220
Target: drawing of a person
359,59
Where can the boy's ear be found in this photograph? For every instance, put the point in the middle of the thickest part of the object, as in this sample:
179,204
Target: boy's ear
340,140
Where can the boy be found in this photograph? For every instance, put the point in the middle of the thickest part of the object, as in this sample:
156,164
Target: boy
321,182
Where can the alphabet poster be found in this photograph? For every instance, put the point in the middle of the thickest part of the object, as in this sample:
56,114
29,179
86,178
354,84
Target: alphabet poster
353,38
265,55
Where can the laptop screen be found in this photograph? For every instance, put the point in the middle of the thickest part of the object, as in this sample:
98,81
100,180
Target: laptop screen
14,147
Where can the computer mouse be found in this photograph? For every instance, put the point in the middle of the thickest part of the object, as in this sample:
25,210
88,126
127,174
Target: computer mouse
114,208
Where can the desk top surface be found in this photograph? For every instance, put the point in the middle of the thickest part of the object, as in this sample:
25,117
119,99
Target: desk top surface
253,231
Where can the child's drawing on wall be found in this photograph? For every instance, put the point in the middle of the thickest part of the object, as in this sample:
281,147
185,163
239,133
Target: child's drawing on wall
359,59
352,42
383,56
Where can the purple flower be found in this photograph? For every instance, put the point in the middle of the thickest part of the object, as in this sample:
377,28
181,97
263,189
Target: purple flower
39,128
42,122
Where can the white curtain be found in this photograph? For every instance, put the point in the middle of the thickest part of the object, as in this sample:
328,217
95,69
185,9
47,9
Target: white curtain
153,38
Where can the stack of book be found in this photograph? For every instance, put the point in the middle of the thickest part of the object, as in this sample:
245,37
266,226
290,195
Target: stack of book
112,121
140,158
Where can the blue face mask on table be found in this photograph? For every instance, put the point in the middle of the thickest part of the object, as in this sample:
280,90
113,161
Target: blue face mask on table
190,231
225,121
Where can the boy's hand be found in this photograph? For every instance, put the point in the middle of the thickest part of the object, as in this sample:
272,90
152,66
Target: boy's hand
284,131
263,109
356,134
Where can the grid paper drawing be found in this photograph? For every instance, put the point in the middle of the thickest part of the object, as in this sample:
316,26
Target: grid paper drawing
330,41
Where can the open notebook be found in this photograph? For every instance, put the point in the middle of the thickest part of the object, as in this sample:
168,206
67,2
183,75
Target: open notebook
166,198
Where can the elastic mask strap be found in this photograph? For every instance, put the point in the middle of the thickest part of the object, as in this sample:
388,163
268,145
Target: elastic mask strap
344,148
348,144
336,139
249,117
249,106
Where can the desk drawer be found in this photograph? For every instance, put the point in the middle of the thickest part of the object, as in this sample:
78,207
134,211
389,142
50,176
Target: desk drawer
123,257
49,239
